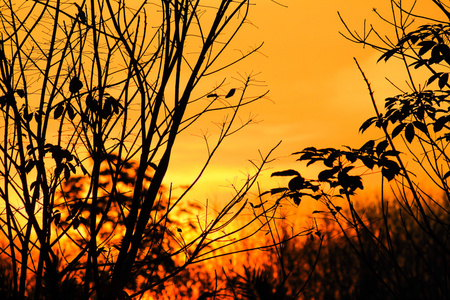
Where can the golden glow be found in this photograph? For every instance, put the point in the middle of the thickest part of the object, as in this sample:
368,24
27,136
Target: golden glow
317,95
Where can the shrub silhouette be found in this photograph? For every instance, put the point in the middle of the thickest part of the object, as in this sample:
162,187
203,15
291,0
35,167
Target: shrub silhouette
405,253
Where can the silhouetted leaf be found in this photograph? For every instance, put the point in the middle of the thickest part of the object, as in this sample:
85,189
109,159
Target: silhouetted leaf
388,54
389,102
305,156
27,116
29,166
91,103
114,104
313,187
425,46
420,112
406,38
390,169
329,161
351,156
367,146
398,129
421,126
289,172
390,153
107,110
443,80
325,175
433,78
316,197
381,147
445,51
440,123
230,93
75,85
367,124
21,93
313,161
58,111
418,63
392,115
350,183
446,175
307,149
296,183
278,190
70,112
388,174
436,56
296,198
82,17
409,132
75,223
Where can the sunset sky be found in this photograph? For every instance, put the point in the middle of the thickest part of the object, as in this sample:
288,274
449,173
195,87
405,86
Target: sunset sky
130,232
317,95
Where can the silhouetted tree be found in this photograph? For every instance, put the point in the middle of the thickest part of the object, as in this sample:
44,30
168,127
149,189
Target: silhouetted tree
104,88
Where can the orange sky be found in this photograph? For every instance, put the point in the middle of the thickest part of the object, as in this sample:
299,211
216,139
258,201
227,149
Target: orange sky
317,95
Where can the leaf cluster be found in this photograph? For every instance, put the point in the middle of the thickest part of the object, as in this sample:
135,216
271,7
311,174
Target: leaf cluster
339,165
430,47
413,114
